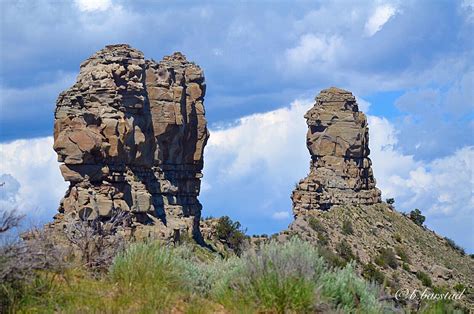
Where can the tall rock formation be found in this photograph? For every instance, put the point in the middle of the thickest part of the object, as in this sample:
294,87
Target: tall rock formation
340,169
130,134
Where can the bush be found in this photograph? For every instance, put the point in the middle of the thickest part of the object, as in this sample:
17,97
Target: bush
386,258
280,277
370,272
350,293
344,250
231,233
459,287
454,246
284,278
149,271
417,217
316,225
20,264
347,228
406,267
424,278
333,260
390,201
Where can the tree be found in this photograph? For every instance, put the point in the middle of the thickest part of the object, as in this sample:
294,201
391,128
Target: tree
390,201
417,217
231,233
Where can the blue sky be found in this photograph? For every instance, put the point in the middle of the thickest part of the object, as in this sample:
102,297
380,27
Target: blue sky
409,63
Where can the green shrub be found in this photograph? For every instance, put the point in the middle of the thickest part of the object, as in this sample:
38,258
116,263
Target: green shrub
333,260
323,239
417,217
406,267
370,272
390,201
344,250
286,278
459,287
350,293
316,225
279,277
347,228
150,271
231,233
424,278
400,250
386,258
454,246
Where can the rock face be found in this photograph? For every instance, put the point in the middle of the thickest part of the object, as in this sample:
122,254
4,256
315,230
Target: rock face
340,169
130,134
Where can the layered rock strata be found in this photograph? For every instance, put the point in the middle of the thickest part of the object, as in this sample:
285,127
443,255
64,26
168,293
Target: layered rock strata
130,134
340,168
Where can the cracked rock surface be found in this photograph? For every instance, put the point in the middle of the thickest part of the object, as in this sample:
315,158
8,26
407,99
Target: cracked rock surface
130,134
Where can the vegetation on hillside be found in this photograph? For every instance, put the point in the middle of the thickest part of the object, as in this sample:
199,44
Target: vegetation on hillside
293,276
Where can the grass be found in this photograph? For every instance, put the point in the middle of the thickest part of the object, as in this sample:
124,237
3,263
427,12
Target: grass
149,278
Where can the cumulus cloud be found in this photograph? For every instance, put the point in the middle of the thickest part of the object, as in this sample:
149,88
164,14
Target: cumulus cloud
93,5
313,49
33,183
379,18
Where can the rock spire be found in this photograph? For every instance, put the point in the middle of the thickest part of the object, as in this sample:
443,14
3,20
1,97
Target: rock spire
130,134
340,168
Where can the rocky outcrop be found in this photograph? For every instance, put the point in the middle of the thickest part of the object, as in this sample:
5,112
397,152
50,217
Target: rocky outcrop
340,169
130,134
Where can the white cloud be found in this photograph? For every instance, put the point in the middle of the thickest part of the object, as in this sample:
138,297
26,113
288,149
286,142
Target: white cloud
364,105
377,20
267,139
283,215
313,49
30,171
93,5
468,7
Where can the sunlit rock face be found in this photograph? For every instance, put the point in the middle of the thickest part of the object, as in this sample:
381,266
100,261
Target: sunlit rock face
338,142
130,134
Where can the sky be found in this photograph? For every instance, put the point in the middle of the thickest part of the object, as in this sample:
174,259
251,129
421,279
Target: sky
409,63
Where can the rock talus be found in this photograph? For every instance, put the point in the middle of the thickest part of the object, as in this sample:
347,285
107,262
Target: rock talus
340,168
130,135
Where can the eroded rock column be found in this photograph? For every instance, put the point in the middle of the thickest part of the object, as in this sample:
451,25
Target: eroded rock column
338,142
130,134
